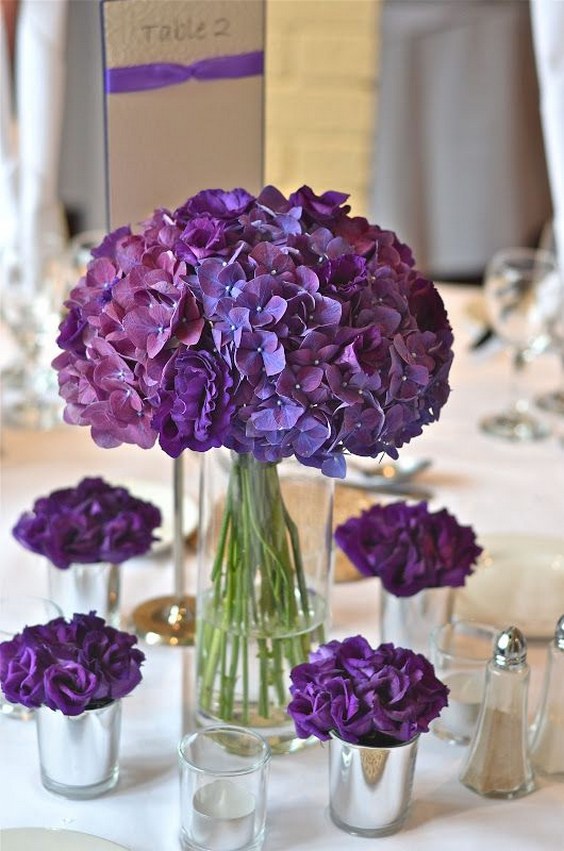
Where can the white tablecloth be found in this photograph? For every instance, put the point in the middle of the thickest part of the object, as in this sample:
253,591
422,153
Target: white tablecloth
495,486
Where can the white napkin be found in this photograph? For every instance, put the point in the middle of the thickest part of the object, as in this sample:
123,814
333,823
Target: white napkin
39,86
547,17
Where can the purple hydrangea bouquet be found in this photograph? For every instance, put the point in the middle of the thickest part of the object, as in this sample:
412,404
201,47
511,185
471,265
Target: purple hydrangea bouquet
276,328
364,695
91,522
420,556
70,666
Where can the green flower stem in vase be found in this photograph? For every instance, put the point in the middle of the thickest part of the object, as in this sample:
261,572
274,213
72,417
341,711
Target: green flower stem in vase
262,601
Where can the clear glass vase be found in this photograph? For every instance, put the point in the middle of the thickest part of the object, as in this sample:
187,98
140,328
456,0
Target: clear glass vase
85,588
264,579
78,755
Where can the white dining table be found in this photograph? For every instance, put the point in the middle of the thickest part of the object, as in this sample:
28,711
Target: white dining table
493,485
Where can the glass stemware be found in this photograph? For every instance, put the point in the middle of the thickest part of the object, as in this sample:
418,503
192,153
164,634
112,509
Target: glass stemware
522,291
30,313
553,401
31,302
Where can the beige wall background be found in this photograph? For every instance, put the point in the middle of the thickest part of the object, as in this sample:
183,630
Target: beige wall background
321,95
320,98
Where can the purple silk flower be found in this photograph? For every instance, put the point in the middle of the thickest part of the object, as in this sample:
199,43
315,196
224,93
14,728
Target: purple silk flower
89,523
365,695
70,665
409,547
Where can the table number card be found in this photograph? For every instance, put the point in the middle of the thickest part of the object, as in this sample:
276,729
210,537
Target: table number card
184,100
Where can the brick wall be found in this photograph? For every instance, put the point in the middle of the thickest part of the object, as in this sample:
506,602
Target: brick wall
321,94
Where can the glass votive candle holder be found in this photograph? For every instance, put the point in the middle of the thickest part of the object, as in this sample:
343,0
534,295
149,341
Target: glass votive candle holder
17,612
460,651
223,785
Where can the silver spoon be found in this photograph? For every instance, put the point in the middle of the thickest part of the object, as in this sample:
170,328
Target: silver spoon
390,472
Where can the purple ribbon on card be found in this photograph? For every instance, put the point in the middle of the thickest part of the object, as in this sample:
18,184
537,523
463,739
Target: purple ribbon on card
157,75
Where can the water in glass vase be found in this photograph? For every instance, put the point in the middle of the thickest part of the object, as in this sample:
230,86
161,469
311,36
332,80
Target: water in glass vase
262,598
245,675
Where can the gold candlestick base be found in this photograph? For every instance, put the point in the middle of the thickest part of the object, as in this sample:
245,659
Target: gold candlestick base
166,620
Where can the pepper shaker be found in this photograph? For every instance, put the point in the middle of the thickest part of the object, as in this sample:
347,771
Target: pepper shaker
547,748
498,763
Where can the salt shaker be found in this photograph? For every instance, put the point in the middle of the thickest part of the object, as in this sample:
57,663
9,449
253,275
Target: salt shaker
547,748
498,763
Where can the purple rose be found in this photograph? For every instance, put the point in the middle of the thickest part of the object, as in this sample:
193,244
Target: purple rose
344,277
408,547
70,332
202,237
403,693
216,203
129,533
110,654
350,721
195,410
321,208
310,709
365,695
21,672
107,247
69,687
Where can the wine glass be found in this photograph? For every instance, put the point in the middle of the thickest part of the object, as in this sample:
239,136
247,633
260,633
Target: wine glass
31,309
553,401
30,312
522,292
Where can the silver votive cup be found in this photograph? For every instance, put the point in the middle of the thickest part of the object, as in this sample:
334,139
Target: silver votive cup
409,621
223,784
86,588
370,787
78,755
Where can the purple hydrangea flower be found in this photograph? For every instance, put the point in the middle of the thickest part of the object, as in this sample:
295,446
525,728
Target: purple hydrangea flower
365,695
92,522
70,665
409,547
246,294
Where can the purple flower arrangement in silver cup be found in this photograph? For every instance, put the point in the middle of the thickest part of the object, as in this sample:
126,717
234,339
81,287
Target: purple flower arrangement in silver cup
89,523
365,695
70,665
409,547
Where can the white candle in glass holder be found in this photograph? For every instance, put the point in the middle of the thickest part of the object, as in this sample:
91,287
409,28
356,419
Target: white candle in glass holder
224,816
464,701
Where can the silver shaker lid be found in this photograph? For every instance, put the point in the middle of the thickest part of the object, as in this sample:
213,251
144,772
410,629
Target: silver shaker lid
510,648
559,634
